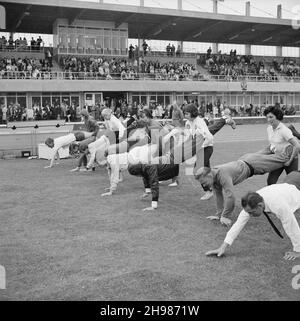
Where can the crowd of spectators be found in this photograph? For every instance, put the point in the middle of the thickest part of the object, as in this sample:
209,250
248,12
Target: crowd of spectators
16,112
288,67
11,44
134,52
12,68
121,109
232,66
120,68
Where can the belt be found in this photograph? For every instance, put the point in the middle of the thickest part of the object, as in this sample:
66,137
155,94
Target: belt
250,168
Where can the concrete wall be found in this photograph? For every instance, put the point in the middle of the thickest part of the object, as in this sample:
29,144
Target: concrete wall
20,85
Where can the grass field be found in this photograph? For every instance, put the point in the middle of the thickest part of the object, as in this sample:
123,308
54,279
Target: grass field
60,240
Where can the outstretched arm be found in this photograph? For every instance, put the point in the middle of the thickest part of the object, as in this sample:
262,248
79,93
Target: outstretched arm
232,234
54,154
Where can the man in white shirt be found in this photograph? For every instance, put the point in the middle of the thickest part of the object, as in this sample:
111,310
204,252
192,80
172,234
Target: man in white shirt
63,142
282,200
57,144
112,123
116,163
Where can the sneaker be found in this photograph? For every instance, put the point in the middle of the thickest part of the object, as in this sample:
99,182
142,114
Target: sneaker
83,169
75,169
173,184
207,196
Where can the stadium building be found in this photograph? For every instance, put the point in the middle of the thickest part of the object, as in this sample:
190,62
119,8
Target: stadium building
89,29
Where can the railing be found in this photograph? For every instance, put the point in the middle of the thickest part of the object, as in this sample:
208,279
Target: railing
96,51
21,48
59,75
170,55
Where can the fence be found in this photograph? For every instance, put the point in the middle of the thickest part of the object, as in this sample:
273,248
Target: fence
59,75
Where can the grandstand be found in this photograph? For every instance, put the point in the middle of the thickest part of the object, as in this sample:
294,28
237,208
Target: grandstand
90,45
72,245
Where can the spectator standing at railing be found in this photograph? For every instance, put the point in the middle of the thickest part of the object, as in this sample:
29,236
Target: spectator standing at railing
173,50
49,58
32,44
208,54
4,114
131,53
39,42
178,51
10,43
145,47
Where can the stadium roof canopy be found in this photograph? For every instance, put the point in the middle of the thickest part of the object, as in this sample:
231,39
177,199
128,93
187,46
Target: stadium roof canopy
38,16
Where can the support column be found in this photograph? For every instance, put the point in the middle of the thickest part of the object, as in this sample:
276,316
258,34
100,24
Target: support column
215,46
100,1
142,3
179,43
179,4
279,16
248,47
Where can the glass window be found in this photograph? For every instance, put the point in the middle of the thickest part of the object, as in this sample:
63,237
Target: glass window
144,100
75,101
135,99
233,100
167,100
2,100
161,100
297,99
290,100
240,100
36,101
11,100
256,100
22,101
46,101
56,101
66,100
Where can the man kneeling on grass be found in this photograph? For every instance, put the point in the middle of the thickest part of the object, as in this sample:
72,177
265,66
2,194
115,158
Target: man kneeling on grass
282,200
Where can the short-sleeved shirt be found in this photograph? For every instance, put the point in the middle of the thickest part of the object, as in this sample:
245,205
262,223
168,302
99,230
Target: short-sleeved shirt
279,138
198,126
115,124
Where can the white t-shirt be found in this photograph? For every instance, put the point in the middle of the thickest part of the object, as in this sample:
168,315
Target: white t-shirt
279,138
142,154
63,142
199,127
115,124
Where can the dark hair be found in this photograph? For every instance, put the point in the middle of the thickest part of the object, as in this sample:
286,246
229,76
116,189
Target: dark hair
82,148
147,112
192,109
277,112
251,199
49,141
73,148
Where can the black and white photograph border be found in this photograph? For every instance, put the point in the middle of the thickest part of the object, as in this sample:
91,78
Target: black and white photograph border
137,140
